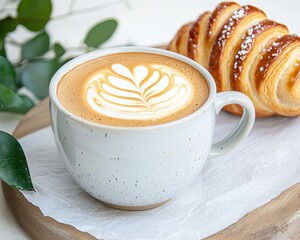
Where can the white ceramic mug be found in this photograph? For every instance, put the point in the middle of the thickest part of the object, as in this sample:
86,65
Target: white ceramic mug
138,168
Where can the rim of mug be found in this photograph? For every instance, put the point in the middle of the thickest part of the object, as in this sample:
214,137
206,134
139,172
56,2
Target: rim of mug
115,50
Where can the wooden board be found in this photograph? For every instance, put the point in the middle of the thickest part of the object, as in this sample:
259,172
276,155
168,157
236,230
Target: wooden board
278,219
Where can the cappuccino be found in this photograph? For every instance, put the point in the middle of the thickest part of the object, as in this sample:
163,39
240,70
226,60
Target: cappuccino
132,90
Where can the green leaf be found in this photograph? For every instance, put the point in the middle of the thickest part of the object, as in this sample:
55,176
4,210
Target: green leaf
37,46
7,25
100,33
58,50
34,14
7,74
12,102
36,76
2,47
13,165
18,71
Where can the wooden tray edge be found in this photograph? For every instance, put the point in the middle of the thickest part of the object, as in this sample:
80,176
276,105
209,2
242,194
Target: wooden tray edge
277,219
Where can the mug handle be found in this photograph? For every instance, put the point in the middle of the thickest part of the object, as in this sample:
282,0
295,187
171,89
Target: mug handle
242,129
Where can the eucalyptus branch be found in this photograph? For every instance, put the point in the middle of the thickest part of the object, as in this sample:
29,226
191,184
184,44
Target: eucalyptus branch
20,63
34,59
90,9
39,58
25,61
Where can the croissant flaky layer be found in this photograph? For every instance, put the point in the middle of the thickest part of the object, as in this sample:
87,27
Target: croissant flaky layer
246,52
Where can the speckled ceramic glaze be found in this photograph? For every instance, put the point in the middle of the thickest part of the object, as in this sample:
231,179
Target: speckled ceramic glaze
141,167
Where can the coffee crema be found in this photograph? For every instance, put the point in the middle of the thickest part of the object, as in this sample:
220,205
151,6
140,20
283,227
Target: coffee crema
132,89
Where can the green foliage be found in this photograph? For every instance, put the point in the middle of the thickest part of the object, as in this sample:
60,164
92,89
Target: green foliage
37,75
7,25
36,46
2,47
100,33
13,166
33,71
7,74
34,14
58,50
13,102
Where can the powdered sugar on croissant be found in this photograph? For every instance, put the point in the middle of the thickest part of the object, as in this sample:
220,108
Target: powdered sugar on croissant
246,52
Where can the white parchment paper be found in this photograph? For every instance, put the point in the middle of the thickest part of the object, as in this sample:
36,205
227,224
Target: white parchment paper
230,186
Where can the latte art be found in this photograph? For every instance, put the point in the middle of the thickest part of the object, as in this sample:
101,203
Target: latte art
142,93
132,89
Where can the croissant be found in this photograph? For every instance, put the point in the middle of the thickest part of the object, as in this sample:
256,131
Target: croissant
246,52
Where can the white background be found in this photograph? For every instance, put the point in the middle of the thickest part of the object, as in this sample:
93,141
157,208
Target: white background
141,22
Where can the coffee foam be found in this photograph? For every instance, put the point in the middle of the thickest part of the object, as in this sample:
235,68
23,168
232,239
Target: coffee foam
142,93
132,89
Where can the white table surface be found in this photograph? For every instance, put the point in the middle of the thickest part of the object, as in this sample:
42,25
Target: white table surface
141,22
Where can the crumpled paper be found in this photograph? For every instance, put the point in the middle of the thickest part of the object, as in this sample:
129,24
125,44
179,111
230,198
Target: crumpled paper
229,186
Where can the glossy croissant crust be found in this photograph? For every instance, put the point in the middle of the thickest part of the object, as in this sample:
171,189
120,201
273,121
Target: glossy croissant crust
246,52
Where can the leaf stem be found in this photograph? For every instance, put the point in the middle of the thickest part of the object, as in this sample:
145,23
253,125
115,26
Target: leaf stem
13,42
25,61
90,9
